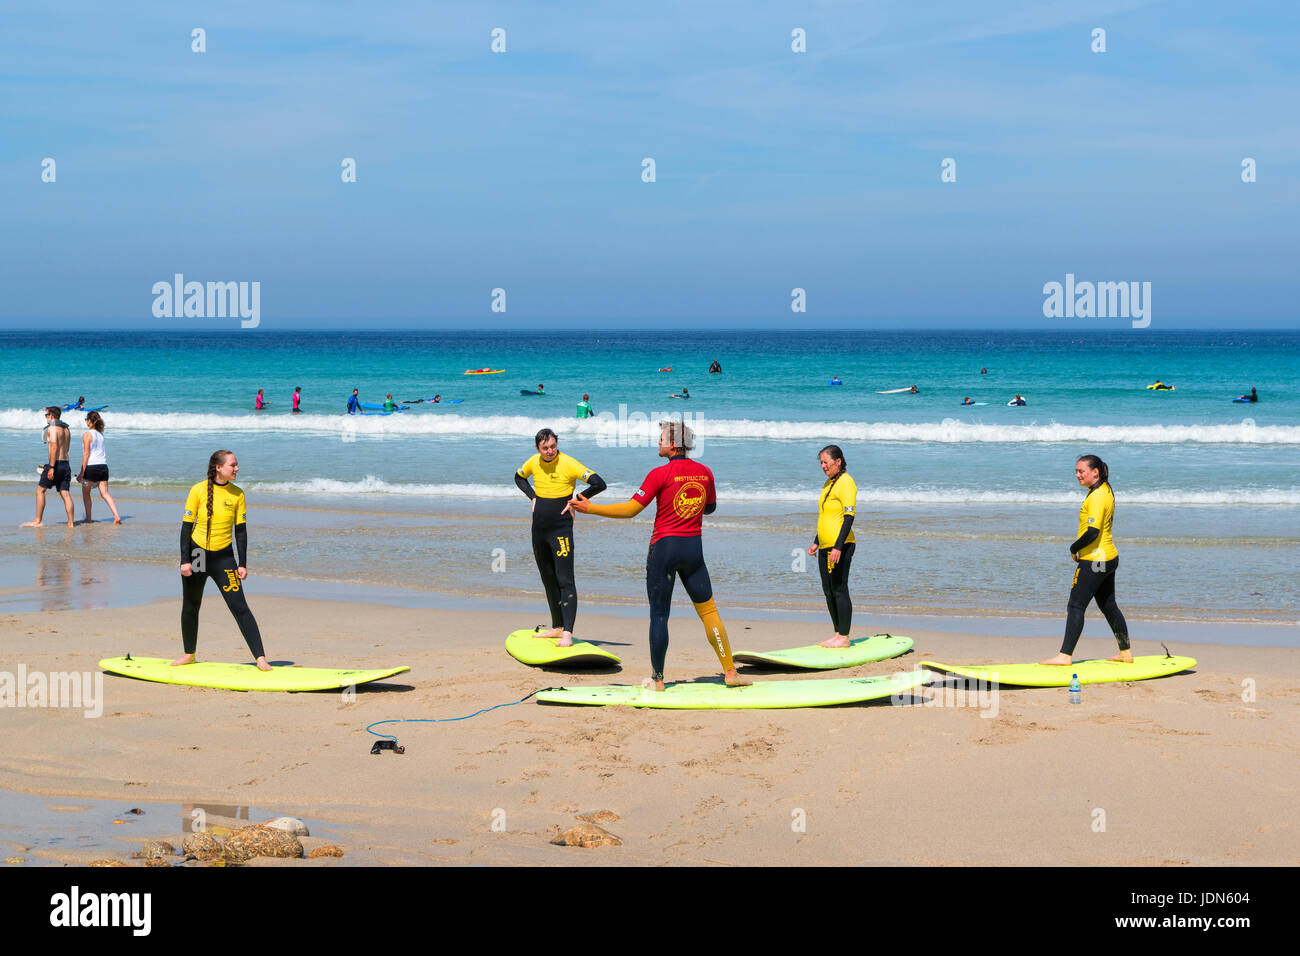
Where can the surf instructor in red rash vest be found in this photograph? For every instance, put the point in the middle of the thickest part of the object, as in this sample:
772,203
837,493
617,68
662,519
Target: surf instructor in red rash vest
684,493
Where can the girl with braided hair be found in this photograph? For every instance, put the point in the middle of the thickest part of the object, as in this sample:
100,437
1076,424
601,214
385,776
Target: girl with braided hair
214,543
1095,558
834,544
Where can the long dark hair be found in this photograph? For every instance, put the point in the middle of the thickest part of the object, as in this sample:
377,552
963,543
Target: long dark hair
94,421
836,455
1103,473
218,458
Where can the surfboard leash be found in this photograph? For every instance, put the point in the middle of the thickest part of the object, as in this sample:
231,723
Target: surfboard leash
379,744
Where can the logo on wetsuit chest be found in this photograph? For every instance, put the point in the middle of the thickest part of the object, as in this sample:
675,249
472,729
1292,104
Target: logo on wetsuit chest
232,580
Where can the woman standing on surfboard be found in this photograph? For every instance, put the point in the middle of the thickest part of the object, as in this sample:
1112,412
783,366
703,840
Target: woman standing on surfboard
684,493
555,478
1096,559
833,544
214,543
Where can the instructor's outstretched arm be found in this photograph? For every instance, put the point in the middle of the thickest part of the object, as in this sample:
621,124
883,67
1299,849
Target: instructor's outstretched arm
624,509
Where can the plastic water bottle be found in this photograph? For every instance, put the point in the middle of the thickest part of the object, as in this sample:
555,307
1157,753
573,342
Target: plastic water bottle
1076,691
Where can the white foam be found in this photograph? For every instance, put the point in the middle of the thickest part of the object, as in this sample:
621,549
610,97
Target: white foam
642,430
798,495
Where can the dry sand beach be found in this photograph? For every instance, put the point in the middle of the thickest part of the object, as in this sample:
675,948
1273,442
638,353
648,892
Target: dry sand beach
1179,771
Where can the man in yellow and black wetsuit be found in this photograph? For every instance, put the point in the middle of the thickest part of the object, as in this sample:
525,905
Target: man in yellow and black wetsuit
555,476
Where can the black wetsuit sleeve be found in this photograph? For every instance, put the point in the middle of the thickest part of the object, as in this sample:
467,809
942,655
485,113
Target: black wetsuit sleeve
595,485
187,532
711,507
845,528
522,483
241,545
1088,537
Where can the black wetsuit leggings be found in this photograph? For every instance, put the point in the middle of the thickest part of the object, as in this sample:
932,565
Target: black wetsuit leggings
1094,582
221,567
553,549
835,585
666,559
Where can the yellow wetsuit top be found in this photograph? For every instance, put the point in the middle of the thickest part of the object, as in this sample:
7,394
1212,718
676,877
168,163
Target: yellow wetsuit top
1098,511
555,478
228,510
839,499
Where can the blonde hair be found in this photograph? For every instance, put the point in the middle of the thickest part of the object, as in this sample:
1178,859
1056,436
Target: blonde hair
679,433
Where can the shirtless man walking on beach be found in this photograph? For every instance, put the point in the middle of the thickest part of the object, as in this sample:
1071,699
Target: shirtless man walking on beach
57,473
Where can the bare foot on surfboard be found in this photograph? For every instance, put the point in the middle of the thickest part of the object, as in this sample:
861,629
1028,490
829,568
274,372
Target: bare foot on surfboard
566,640
183,659
733,679
1124,657
651,684
839,640
553,632
262,665
1060,660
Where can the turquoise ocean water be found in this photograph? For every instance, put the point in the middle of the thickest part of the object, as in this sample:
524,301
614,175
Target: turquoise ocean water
963,510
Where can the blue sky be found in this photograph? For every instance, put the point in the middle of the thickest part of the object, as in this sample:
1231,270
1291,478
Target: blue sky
775,170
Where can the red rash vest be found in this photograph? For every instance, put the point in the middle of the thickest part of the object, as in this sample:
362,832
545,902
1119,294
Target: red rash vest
682,489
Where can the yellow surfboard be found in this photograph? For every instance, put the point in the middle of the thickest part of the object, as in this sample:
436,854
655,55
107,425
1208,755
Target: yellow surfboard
242,676
760,695
528,648
861,650
1049,675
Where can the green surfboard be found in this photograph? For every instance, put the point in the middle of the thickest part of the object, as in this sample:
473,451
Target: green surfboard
527,648
1049,675
242,676
761,695
863,650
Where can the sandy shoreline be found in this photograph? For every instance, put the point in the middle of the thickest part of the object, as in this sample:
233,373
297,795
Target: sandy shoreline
1183,770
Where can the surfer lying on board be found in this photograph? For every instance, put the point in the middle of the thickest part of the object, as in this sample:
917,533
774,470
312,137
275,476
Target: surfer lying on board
1096,558
684,492
216,547
555,478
